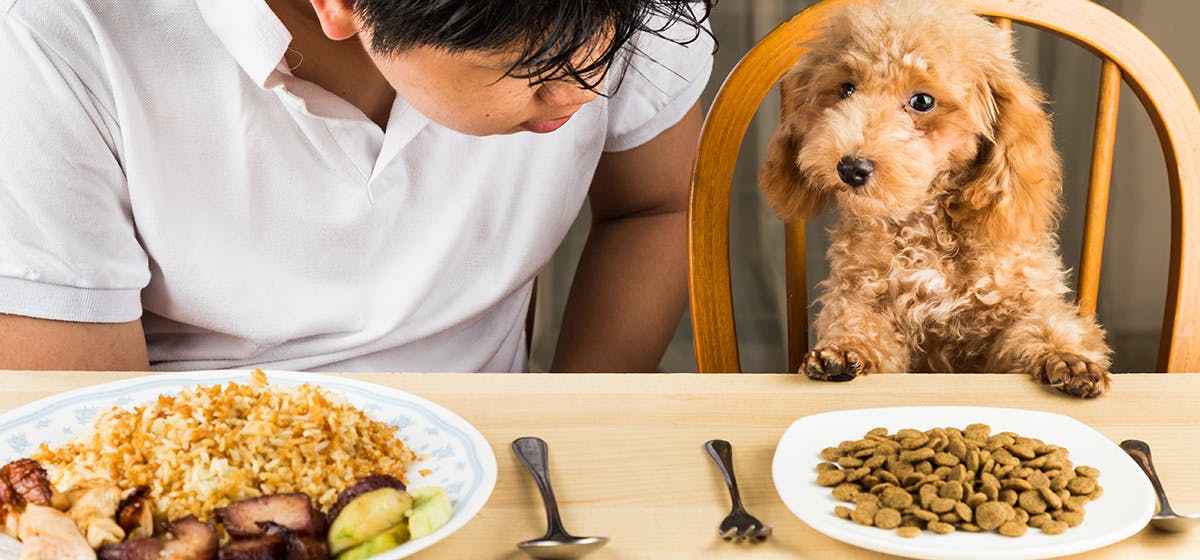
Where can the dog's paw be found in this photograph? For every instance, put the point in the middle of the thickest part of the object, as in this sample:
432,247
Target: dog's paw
1073,375
830,363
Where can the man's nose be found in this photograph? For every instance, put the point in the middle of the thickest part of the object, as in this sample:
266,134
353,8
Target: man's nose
566,93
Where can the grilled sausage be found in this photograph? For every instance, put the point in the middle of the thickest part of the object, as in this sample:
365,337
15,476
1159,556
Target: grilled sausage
294,511
147,548
266,547
190,539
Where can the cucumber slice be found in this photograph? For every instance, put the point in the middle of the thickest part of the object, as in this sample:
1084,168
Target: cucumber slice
431,509
377,545
367,516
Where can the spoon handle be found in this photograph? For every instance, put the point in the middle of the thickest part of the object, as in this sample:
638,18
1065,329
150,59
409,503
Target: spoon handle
535,455
722,454
1140,452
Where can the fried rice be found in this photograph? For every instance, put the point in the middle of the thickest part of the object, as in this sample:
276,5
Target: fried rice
209,446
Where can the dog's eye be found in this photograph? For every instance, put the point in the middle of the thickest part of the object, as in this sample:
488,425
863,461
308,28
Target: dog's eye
921,102
847,89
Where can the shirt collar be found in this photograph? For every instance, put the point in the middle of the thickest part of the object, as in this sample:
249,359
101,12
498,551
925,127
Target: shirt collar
251,33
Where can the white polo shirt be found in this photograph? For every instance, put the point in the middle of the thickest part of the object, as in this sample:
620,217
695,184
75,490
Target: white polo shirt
159,160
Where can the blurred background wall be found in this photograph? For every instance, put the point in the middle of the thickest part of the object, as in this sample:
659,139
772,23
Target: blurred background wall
1133,276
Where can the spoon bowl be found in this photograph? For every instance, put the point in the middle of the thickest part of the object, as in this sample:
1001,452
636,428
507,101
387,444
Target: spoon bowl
1177,523
1166,519
557,542
561,546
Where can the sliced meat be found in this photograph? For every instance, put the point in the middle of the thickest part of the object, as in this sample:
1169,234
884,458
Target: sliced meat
295,511
146,548
11,505
297,547
266,547
28,479
134,514
362,486
48,534
8,496
189,539
307,548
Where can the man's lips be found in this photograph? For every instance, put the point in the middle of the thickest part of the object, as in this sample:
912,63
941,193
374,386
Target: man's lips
542,127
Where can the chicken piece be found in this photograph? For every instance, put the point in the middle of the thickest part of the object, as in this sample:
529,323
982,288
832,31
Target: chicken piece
295,511
94,508
266,547
10,548
49,534
296,546
28,479
11,525
362,486
145,548
134,514
189,539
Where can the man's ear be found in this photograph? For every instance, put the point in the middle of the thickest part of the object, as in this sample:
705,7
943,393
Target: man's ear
337,18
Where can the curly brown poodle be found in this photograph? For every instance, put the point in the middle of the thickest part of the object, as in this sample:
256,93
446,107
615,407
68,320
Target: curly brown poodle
915,122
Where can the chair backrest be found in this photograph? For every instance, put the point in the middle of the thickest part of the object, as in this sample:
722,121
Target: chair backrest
1125,53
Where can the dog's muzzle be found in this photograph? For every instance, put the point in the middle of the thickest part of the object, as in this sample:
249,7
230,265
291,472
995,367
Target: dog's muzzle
855,171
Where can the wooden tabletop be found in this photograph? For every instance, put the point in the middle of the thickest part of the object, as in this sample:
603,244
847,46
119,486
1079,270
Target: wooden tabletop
627,461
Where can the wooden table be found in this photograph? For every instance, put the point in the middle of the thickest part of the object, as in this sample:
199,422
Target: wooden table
627,460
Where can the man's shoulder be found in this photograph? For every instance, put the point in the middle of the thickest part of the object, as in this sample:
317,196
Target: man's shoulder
85,35
39,12
66,20
57,23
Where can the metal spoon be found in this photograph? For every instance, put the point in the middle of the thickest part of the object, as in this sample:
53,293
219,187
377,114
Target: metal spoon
556,543
1166,519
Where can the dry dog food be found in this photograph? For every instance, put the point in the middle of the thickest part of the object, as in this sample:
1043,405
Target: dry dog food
950,479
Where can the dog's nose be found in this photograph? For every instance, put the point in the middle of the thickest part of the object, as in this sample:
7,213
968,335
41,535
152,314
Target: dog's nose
855,171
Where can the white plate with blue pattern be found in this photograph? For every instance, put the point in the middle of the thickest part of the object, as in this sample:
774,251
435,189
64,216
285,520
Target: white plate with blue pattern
454,454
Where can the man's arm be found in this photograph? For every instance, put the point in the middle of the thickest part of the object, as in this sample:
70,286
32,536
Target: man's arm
631,284
42,344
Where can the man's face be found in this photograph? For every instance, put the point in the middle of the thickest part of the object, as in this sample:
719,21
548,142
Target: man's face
469,92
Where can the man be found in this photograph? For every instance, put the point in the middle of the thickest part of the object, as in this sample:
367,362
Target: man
341,184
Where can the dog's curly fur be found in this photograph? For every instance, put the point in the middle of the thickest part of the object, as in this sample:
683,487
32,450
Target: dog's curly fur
946,259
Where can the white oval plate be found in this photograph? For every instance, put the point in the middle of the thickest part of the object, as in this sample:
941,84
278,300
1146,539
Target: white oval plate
1124,509
459,457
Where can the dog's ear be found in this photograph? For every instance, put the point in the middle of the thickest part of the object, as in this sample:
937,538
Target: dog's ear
779,178
1015,181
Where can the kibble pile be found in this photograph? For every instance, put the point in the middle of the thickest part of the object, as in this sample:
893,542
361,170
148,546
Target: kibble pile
949,479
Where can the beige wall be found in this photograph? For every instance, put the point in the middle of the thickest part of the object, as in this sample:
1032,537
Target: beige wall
1136,242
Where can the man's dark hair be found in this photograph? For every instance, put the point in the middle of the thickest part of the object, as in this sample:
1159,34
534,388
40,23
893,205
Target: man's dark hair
550,35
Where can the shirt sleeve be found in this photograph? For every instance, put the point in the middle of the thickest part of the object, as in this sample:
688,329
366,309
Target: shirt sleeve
68,247
660,81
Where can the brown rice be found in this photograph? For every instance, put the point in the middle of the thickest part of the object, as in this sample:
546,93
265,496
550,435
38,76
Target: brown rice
213,445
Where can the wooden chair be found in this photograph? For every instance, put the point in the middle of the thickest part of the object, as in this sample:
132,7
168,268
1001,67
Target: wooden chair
1126,54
